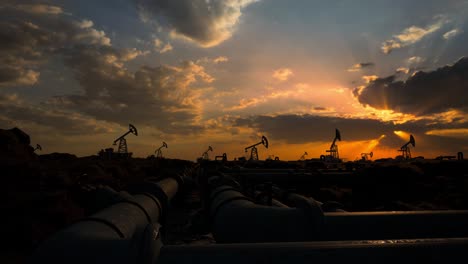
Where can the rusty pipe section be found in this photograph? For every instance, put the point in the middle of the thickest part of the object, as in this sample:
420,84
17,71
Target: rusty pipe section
238,219
125,232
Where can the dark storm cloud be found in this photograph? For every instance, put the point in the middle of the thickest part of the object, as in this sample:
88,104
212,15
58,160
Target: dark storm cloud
34,34
158,96
366,64
19,53
30,34
297,129
14,111
423,93
207,23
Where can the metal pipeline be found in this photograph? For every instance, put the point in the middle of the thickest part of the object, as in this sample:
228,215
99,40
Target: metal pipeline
291,177
395,225
443,250
236,218
264,195
266,199
297,200
125,232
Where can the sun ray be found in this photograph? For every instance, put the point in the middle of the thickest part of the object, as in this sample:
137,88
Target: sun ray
402,134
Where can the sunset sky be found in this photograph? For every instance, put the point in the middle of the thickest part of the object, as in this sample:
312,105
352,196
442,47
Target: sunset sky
199,73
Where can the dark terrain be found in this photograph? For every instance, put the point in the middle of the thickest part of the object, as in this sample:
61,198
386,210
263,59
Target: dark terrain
42,194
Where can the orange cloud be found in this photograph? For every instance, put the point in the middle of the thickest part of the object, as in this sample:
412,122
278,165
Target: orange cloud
220,59
370,78
455,133
40,9
282,74
160,47
410,36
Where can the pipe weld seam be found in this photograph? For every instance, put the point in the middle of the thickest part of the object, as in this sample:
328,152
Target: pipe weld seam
139,206
155,200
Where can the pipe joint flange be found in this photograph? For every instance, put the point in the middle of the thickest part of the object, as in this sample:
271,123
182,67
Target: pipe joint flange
179,178
150,244
152,189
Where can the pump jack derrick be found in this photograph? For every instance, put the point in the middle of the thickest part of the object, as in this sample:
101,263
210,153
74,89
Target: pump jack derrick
334,148
365,156
303,156
205,154
38,147
253,148
405,149
159,151
123,142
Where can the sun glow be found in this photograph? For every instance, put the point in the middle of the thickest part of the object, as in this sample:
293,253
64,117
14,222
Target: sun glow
386,115
455,133
374,143
402,134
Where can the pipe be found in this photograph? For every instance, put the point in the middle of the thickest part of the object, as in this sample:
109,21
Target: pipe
442,250
297,200
395,224
235,219
125,232
242,170
265,199
292,178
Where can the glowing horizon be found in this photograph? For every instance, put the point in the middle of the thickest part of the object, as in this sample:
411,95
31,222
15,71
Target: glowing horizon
73,77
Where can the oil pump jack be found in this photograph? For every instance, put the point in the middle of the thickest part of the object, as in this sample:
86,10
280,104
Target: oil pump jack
38,147
159,152
405,149
253,148
303,156
365,156
123,142
205,154
334,156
